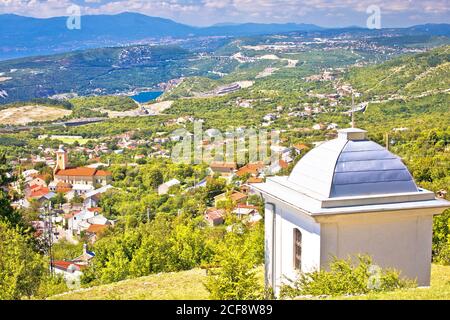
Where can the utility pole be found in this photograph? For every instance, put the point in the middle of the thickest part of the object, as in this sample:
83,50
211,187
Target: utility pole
353,110
148,214
50,235
387,140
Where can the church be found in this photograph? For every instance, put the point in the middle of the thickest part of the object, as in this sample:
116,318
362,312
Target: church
347,196
63,173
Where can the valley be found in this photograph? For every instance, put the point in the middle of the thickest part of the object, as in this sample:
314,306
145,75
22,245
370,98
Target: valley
91,161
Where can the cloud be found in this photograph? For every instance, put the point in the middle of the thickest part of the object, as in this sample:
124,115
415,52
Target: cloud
202,12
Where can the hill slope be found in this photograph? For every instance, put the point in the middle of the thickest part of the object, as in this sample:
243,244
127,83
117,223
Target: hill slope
104,70
188,285
408,75
184,285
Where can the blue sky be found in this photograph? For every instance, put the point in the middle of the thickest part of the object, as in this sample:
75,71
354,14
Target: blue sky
328,13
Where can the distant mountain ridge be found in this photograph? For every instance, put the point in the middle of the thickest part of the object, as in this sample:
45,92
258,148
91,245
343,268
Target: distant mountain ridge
25,36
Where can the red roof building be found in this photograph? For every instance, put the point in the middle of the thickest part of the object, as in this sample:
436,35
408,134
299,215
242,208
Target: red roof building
214,216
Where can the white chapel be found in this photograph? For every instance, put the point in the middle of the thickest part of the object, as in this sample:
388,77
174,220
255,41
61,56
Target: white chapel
345,197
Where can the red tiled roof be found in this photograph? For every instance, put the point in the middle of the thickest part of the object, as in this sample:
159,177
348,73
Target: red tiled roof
96,228
255,180
251,168
39,192
95,209
283,164
300,146
63,265
43,176
236,196
102,173
223,165
246,206
214,213
82,171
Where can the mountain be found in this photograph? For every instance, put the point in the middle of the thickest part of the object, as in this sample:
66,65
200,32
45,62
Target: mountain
25,36
440,29
100,70
250,29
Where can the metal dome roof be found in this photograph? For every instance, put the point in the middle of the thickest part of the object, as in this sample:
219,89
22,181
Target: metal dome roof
351,165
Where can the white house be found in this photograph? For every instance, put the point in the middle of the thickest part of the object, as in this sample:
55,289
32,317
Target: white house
345,197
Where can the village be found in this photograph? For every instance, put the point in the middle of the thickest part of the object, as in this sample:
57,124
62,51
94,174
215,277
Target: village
67,199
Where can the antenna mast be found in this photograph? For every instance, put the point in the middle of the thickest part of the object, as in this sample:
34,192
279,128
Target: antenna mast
353,110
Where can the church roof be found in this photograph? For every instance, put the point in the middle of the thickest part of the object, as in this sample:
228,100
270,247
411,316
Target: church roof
350,174
82,172
351,165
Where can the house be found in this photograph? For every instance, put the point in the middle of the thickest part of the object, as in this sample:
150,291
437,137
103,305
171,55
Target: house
300,148
63,187
70,271
255,180
214,216
37,180
235,197
340,201
277,166
247,211
40,194
252,169
164,188
95,230
85,258
78,175
82,220
224,169
82,189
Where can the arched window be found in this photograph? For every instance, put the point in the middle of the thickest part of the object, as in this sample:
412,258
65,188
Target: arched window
297,249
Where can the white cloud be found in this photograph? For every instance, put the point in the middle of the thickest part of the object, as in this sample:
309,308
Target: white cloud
212,11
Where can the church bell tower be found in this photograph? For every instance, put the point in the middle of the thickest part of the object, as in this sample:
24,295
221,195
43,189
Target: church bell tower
61,159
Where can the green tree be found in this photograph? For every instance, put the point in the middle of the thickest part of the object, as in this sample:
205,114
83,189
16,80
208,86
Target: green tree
441,238
152,178
236,278
21,268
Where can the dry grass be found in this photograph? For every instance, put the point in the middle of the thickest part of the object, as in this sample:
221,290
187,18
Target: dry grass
26,114
184,285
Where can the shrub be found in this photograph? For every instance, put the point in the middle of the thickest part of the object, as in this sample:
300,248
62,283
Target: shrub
345,278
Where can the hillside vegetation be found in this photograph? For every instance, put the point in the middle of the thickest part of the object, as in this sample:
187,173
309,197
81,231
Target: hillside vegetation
189,285
183,285
406,75
439,289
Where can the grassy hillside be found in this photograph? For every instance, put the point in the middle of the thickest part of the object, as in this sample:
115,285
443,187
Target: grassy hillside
184,285
413,74
113,103
189,285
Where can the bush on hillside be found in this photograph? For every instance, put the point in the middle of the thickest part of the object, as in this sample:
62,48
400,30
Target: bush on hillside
346,278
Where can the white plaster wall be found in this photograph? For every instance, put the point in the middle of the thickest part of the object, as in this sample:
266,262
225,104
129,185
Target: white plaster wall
400,240
310,242
285,222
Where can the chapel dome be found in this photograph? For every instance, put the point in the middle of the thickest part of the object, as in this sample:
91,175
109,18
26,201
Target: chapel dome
351,165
